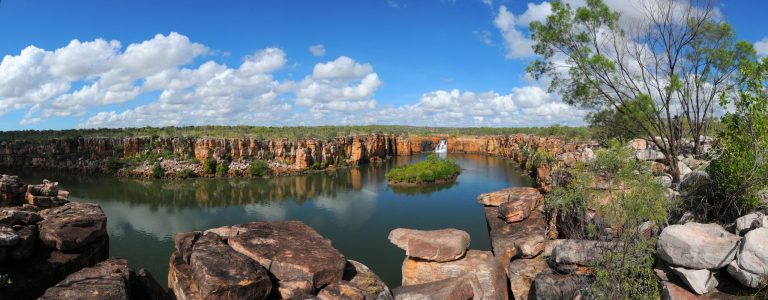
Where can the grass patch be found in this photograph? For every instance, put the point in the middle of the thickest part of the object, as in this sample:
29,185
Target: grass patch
431,170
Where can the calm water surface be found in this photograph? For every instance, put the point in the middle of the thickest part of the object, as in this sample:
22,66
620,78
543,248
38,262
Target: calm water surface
353,207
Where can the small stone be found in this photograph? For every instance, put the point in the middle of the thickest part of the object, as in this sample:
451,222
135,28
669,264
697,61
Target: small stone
8,237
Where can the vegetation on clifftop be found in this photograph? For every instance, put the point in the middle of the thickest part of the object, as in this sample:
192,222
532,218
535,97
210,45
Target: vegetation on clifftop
433,169
299,132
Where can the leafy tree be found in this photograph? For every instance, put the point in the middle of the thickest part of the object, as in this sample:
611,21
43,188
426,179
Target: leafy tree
222,169
209,165
258,168
157,171
740,169
674,59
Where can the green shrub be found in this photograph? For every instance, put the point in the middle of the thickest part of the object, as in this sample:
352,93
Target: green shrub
157,171
209,165
258,168
222,169
625,272
112,165
186,173
429,170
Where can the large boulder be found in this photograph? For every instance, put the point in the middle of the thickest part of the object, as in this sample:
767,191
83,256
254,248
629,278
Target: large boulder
515,193
10,216
455,288
751,265
693,182
11,190
581,252
46,267
522,272
341,290
697,246
649,154
301,260
522,239
557,286
27,240
72,225
361,277
638,144
751,221
518,209
700,281
46,194
105,280
222,273
481,264
434,245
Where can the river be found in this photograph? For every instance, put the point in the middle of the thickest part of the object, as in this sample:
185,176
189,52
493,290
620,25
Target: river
355,208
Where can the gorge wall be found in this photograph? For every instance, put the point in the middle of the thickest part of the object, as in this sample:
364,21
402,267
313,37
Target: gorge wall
91,154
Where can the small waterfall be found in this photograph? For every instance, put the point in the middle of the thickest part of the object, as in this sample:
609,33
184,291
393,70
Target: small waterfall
442,147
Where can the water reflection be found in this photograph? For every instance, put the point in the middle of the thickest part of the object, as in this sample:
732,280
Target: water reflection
355,208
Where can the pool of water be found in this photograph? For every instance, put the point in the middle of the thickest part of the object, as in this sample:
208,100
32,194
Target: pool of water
355,208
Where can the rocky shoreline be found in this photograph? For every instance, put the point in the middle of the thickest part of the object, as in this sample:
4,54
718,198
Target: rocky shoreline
56,248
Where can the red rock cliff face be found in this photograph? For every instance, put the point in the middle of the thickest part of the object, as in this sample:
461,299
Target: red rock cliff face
90,154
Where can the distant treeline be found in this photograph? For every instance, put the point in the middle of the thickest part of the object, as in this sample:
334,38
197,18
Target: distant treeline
298,132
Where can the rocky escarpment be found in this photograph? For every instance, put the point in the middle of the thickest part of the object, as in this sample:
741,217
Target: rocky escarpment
44,237
179,156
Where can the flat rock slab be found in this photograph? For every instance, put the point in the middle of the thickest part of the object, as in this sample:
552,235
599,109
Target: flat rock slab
522,272
433,245
524,239
455,288
10,216
297,256
697,246
482,264
496,198
72,226
105,280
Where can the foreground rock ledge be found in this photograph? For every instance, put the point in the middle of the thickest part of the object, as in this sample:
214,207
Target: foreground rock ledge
261,260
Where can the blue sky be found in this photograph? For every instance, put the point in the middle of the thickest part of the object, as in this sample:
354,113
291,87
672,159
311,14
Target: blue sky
438,63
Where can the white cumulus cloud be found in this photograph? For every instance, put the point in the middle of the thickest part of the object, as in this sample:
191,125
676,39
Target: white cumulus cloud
317,50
